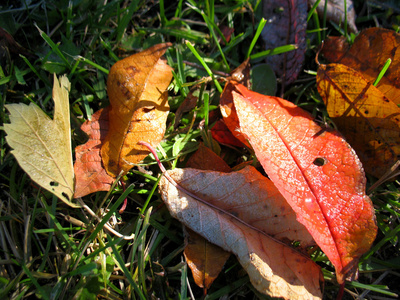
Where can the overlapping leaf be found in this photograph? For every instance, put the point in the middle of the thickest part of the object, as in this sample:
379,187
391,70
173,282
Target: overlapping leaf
368,116
243,224
316,171
205,259
370,51
136,87
42,146
370,121
90,175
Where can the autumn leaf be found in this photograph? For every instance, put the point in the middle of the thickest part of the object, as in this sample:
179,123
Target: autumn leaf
367,118
222,135
248,225
90,175
205,259
336,12
136,87
42,146
286,24
369,53
316,171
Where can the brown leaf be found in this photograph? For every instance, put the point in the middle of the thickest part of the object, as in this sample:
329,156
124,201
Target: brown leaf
286,24
206,159
136,87
90,175
316,171
367,118
370,51
205,259
244,224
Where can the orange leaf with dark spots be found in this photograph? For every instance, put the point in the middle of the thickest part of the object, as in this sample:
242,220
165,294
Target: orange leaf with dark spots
137,88
367,118
316,171
90,175
370,51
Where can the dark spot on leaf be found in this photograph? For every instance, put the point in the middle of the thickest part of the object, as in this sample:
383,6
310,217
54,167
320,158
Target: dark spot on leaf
131,70
276,216
65,196
320,161
124,90
53,183
366,112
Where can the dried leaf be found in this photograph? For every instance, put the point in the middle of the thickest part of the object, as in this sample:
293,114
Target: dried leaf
286,24
136,87
205,259
206,159
317,172
369,120
255,213
90,175
42,146
369,53
335,12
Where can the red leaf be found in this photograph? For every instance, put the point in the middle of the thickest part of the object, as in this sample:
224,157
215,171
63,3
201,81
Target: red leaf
316,171
222,135
286,24
90,175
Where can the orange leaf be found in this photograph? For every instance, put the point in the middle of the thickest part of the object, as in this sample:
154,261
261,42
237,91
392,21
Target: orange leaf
316,171
371,48
90,175
369,120
136,87
205,259
246,215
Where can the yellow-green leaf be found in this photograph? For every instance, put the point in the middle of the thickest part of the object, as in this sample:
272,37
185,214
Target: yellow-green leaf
42,146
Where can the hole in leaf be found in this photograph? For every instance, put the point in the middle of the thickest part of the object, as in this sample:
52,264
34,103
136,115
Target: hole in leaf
66,196
320,161
53,183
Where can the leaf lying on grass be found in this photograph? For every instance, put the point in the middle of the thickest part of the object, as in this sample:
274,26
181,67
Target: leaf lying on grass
136,87
42,146
90,175
368,119
316,171
274,267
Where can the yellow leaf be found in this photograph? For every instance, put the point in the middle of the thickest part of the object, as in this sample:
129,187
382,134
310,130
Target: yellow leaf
42,146
367,118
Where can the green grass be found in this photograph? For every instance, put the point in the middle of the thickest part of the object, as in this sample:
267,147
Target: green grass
51,251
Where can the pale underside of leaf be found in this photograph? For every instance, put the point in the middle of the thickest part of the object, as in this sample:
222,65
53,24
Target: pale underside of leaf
329,197
42,146
274,268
